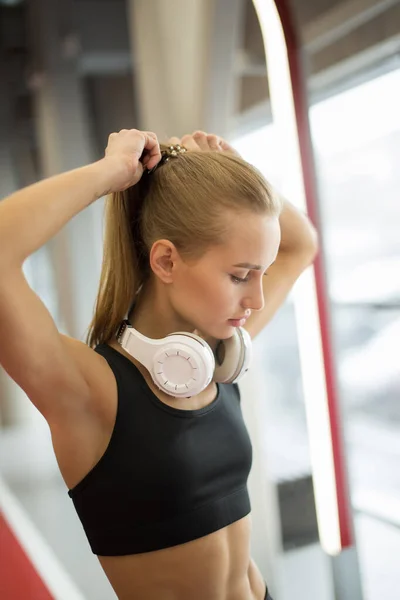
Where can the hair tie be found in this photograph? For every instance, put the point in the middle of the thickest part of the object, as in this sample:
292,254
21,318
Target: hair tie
172,151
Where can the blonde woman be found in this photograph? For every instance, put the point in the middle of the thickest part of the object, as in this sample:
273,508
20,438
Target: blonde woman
156,460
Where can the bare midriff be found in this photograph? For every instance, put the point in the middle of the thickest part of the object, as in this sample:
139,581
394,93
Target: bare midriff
215,567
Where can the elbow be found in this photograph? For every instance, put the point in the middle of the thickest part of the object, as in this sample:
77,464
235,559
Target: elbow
308,250
313,243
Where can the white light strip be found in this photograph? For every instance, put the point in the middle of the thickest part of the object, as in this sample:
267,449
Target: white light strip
305,299
37,550
316,404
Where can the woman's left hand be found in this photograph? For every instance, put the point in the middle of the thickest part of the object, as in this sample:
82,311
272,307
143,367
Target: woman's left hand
206,142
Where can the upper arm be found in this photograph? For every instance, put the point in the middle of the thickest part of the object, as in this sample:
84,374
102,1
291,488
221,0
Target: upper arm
44,363
282,275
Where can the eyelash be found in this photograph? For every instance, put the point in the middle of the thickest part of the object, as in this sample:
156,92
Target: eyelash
237,280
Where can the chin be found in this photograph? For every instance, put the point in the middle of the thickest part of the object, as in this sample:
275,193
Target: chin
225,332
212,337
231,330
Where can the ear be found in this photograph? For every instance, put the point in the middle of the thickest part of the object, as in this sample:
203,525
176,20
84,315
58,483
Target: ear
164,258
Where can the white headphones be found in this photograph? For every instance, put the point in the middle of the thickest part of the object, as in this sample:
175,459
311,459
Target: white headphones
182,364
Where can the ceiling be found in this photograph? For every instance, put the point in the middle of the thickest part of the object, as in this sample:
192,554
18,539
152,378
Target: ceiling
340,39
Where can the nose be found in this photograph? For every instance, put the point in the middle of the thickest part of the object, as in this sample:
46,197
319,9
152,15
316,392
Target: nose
256,300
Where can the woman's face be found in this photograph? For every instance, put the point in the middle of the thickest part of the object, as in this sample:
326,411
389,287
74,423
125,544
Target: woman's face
211,292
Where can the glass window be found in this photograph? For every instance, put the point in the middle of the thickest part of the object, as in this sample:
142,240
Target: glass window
356,136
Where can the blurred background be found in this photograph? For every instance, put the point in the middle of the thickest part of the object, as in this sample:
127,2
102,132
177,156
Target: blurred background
72,72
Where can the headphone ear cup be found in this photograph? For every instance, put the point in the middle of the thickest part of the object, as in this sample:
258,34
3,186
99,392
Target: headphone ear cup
233,359
172,375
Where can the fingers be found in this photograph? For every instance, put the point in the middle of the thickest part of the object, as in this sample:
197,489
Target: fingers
137,174
190,143
205,142
214,142
151,150
142,145
200,137
228,148
200,141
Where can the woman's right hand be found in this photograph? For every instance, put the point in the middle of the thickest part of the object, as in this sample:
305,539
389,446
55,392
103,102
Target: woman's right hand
127,154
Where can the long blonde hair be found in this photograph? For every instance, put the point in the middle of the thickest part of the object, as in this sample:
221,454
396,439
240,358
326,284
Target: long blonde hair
183,201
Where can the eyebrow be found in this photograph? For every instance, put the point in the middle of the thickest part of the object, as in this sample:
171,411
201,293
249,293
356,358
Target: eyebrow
249,266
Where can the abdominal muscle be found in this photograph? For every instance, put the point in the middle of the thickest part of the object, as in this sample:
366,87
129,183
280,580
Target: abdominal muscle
215,567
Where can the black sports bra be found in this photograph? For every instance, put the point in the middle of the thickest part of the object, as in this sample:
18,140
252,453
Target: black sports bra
168,476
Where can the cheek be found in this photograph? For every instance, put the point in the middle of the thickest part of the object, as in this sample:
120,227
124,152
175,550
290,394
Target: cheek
218,295
206,291
213,292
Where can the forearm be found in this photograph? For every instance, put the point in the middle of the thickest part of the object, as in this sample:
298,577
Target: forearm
298,235
31,216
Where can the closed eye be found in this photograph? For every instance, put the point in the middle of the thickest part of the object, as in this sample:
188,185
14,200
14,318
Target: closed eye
237,280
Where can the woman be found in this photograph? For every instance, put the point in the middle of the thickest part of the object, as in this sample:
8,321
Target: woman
158,481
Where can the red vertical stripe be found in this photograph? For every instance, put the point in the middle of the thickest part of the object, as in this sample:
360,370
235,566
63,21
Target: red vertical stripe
307,163
18,578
